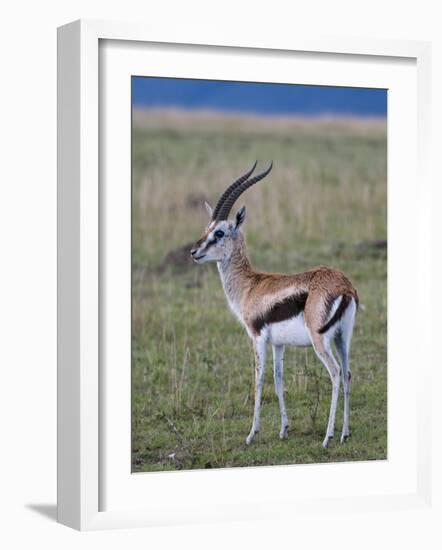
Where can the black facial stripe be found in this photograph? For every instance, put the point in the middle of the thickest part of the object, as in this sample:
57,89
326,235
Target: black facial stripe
210,243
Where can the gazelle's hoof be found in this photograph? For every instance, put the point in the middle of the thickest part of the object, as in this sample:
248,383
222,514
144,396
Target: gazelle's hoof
344,437
250,437
284,433
326,441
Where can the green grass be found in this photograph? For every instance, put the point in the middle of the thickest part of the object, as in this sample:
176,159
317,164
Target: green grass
192,363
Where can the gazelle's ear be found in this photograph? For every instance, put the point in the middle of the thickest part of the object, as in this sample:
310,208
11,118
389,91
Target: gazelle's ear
240,216
208,208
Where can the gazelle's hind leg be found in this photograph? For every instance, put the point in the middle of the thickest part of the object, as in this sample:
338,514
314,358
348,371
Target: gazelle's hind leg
314,319
321,345
342,350
342,341
278,369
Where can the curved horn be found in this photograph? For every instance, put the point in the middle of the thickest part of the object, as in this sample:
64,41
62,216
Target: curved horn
230,201
229,190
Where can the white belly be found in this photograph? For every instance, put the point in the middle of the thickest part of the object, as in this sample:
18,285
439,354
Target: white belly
292,332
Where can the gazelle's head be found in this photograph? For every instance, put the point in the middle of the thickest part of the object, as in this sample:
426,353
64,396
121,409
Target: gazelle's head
218,240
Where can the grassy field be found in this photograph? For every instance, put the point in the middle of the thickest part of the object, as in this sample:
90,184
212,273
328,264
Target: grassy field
192,363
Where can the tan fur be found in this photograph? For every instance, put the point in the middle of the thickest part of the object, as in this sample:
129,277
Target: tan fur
259,291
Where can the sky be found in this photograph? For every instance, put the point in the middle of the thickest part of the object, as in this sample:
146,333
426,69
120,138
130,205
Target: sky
258,98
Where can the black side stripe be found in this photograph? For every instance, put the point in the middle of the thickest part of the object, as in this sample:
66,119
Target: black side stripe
290,307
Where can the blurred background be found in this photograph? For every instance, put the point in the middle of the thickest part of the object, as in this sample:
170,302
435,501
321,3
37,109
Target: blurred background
324,203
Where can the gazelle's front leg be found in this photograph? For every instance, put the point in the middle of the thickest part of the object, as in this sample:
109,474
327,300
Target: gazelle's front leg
260,345
278,370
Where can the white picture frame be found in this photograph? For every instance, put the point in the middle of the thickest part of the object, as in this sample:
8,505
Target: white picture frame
82,445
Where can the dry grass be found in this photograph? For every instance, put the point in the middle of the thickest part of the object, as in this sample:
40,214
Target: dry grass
203,120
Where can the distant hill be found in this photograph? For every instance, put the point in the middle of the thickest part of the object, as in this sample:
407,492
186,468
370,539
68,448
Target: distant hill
258,98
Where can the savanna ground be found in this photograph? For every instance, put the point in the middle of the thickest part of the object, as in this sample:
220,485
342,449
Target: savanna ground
192,362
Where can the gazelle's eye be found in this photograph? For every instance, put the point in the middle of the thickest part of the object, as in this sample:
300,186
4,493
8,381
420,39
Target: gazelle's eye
219,234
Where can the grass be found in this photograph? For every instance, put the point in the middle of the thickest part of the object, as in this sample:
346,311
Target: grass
192,363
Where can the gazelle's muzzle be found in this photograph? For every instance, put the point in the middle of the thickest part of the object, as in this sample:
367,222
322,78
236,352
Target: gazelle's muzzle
197,254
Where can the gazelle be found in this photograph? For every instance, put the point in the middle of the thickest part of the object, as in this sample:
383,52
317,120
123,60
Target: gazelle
314,308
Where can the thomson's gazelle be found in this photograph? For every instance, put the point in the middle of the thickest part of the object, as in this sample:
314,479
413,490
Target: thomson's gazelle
314,308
